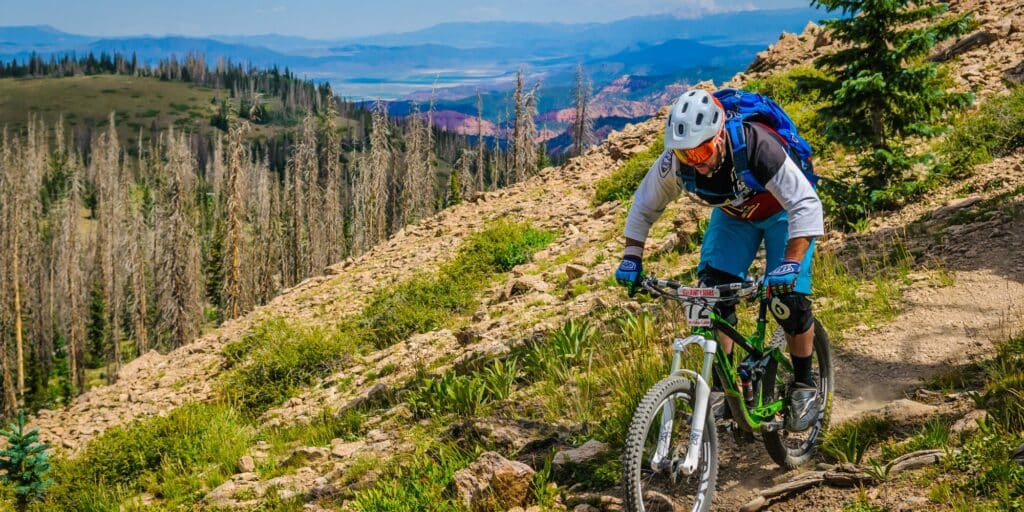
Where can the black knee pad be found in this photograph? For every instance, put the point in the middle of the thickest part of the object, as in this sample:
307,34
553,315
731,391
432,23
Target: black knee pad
792,311
709,276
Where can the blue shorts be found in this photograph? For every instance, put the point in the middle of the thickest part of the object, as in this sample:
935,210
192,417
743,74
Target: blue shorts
731,244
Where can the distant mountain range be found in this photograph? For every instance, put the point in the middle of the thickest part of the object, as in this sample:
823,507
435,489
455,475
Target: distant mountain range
634,63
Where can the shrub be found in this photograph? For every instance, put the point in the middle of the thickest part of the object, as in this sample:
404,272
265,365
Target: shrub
622,183
464,395
500,377
277,359
563,349
502,245
421,303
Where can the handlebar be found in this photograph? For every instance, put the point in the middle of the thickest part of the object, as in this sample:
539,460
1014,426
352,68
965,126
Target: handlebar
724,292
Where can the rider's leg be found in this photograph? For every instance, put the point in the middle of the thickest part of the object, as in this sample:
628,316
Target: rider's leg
728,249
794,314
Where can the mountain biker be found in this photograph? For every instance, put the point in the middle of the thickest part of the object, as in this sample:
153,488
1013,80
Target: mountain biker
787,216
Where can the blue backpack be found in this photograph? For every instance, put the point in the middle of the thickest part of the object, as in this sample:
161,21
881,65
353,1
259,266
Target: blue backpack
742,106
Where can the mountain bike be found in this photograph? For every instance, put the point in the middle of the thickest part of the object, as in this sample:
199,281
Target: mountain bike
671,454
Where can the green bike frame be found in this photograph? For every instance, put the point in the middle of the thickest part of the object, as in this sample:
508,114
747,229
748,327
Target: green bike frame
761,413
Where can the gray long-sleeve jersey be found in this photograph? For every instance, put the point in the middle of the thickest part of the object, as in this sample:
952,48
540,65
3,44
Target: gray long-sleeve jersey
770,165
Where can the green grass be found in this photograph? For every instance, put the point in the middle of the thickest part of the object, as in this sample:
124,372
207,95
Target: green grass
845,298
628,366
934,434
415,482
861,504
176,458
851,440
994,130
135,99
622,183
278,359
425,302
1003,395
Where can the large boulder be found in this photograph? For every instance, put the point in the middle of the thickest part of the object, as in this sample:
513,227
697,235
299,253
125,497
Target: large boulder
493,482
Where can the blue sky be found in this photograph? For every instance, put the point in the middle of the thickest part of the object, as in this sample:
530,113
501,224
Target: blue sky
334,19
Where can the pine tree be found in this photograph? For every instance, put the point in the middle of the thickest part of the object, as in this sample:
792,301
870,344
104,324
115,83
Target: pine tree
372,193
334,186
480,143
180,293
882,87
417,186
582,123
524,132
110,239
235,179
25,463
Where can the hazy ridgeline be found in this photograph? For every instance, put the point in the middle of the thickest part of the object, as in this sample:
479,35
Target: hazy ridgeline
109,252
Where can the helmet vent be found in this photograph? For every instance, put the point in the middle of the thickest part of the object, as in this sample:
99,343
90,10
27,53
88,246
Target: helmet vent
681,129
704,100
692,93
714,120
686,106
700,119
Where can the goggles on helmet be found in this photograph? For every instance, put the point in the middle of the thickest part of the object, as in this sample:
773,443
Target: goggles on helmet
699,154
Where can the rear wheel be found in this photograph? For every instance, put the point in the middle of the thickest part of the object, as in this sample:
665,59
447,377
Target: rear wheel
793,449
651,487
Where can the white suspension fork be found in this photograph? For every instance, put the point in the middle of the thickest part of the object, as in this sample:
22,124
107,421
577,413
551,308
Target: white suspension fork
700,409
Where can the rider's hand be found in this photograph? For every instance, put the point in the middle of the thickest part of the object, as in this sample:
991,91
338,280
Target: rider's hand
782,280
629,273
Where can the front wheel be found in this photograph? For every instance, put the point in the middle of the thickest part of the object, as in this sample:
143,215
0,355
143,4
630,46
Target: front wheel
659,485
792,449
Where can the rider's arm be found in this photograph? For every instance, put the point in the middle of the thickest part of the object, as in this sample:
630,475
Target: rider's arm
658,188
794,192
779,174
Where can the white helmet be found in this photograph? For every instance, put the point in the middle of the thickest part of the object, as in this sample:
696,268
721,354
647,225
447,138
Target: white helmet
696,117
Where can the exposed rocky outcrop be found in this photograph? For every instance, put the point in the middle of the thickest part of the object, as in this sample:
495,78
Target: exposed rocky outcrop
994,52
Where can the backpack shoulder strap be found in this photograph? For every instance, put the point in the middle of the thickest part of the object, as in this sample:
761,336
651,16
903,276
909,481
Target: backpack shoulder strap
738,141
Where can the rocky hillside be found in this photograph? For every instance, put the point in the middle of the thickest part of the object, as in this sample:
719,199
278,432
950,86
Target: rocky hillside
956,289
984,60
